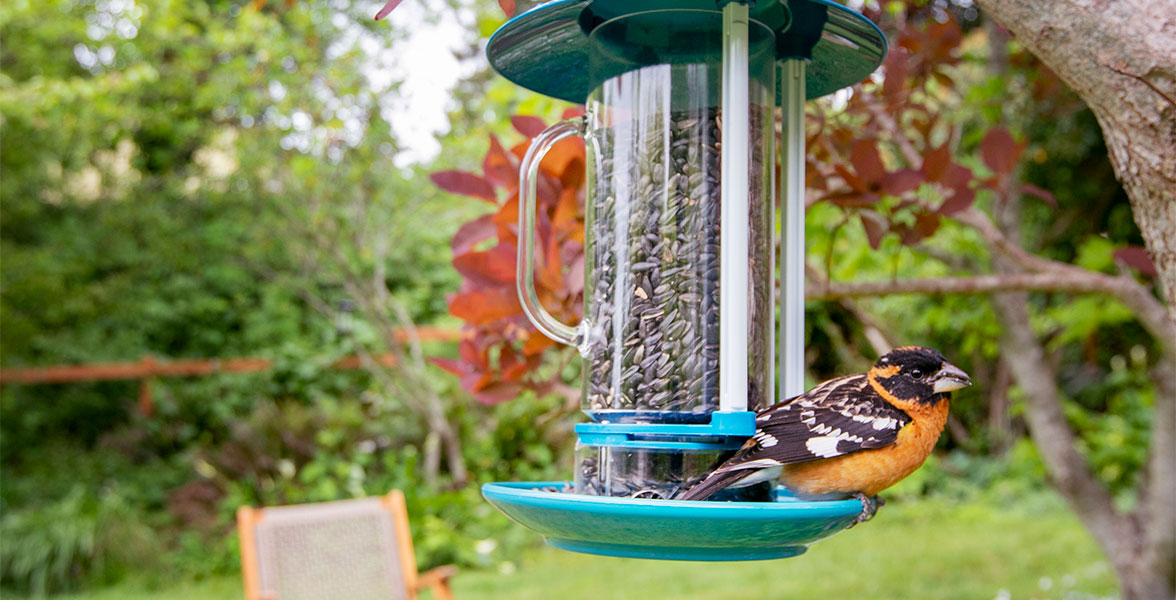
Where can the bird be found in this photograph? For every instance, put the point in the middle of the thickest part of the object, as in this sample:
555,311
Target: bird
851,436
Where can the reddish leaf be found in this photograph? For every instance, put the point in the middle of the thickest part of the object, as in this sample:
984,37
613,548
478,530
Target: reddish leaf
936,161
508,7
852,199
519,150
958,201
899,182
866,161
483,381
499,166
470,234
564,155
876,227
388,8
957,177
999,151
469,352
574,280
1032,190
515,371
494,266
565,220
1137,258
537,343
507,219
466,184
498,393
573,174
850,179
896,74
926,224
457,367
573,112
528,126
548,270
482,306
507,357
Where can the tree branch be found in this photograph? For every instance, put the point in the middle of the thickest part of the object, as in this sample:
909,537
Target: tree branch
1052,434
1118,57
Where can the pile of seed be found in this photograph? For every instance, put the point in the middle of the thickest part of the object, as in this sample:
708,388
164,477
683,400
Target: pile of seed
653,475
638,474
653,271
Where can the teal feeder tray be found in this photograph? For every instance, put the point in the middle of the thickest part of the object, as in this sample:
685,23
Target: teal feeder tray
670,530
682,97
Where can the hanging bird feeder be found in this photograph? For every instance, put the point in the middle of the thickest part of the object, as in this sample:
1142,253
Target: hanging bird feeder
681,101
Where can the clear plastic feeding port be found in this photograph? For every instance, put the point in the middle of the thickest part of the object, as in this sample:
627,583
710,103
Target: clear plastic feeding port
653,472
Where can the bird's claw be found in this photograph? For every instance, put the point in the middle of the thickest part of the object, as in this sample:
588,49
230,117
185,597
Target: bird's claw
870,507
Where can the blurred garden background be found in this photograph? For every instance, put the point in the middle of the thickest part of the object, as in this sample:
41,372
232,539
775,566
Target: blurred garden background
294,182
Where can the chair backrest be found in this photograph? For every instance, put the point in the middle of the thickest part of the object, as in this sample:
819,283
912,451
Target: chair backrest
346,550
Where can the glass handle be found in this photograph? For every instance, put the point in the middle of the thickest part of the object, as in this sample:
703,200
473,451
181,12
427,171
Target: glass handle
525,265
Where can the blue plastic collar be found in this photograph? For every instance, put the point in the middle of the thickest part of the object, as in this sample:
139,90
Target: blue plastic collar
726,431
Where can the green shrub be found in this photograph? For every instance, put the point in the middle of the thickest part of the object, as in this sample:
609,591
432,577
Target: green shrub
56,546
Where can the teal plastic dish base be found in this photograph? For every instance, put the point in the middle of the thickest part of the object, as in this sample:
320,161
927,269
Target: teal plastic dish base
545,49
670,529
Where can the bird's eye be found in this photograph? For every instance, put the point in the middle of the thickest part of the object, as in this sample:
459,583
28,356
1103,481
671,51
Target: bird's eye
916,373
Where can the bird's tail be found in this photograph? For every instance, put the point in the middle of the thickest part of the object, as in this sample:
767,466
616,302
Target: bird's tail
714,482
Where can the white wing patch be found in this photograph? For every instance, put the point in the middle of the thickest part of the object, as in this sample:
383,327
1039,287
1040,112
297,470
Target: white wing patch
824,446
765,439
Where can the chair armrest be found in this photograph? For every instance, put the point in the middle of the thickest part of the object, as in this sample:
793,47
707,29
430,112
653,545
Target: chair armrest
437,581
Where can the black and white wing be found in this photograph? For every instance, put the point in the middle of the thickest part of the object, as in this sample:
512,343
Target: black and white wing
838,417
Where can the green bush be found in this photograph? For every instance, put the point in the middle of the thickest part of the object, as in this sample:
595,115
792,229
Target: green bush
79,537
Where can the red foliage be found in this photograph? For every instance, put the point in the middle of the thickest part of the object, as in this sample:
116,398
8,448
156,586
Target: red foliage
500,350
468,184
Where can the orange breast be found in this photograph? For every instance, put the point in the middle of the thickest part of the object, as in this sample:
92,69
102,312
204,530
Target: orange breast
871,471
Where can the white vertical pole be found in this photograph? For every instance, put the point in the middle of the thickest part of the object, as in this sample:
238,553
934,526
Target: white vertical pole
791,337
734,218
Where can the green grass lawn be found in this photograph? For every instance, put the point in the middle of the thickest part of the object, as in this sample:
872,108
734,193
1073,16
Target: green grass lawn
925,550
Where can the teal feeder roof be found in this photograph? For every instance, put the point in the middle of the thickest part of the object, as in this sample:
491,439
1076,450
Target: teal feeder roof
546,48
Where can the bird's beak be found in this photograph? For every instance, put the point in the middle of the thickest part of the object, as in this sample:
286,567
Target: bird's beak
950,378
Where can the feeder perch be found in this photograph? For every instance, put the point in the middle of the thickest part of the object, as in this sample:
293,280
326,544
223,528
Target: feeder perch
681,99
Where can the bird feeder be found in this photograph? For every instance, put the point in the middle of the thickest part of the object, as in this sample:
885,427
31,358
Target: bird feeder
681,99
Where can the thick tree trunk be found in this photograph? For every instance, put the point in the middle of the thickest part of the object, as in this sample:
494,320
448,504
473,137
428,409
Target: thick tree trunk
1120,57
1121,536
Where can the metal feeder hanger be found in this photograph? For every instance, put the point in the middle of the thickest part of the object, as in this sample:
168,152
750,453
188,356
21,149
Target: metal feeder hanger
595,51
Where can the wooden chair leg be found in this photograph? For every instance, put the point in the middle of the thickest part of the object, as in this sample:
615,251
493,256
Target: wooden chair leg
437,581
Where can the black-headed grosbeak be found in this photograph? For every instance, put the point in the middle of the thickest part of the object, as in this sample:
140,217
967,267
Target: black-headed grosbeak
857,434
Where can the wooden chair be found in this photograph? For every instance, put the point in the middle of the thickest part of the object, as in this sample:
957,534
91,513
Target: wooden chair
346,550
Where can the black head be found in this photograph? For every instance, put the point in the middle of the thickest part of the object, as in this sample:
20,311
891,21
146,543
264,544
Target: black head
917,374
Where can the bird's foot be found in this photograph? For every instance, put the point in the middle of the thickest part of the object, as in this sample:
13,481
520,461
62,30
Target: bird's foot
870,507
